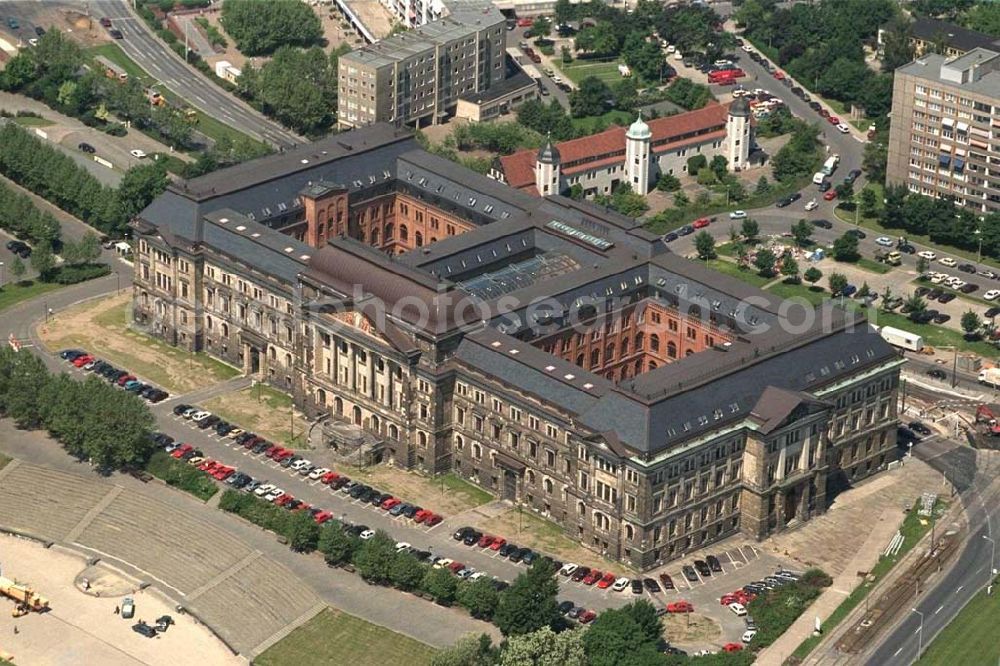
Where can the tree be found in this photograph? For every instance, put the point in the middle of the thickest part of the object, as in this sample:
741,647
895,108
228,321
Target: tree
765,262
845,248
802,232
564,12
440,584
259,28
914,305
681,200
139,186
42,261
589,99
668,183
375,557
336,545
897,49
545,648
696,163
705,246
719,166
618,636
576,192
626,94
790,268
763,187
303,532
845,191
406,572
530,603
868,203
812,275
706,177
480,598
742,253
541,27
837,282
971,324
298,88
17,269
469,650
865,291
750,229
922,265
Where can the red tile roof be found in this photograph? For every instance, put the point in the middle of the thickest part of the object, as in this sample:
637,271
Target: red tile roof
519,168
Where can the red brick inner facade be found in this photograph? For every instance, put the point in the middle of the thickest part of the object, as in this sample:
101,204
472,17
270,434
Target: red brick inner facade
636,339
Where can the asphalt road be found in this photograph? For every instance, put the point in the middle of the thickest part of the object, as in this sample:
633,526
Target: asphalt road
161,62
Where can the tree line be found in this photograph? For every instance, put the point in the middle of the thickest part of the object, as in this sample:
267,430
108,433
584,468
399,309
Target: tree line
20,216
55,176
261,28
92,420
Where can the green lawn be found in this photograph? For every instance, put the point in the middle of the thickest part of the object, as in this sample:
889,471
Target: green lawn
4,460
336,638
786,290
590,124
969,299
970,638
578,70
205,124
729,268
459,486
12,293
913,529
32,121
933,335
873,266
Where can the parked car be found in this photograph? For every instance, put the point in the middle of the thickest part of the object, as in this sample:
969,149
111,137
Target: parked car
823,224
86,148
689,573
144,629
651,585
680,607
713,563
128,608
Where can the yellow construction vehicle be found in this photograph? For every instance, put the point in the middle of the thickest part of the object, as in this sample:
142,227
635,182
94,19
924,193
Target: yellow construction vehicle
26,599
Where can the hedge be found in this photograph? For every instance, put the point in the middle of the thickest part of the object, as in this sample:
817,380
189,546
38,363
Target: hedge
179,474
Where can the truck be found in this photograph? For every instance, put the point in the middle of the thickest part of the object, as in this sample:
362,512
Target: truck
25,598
897,337
988,418
831,165
990,377
890,257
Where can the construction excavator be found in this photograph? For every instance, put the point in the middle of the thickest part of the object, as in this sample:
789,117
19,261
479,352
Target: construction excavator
25,599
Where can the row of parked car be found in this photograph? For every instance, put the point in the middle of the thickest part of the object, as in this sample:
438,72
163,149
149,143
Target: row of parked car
123,378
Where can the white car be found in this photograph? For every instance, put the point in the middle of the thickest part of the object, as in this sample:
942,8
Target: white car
367,534
264,489
738,608
200,416
621,584
568,569
402,545
938,278
956,283
318,472
748,635
138,154
747,48
991,294
300,464
671,48
843,128
947,261
884,241
812,205
678,56
738,215
928,255
274,494
477,575
234,433
440,564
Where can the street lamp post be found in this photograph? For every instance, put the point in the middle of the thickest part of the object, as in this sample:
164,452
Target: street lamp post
3,274
993,559
979,254
920,633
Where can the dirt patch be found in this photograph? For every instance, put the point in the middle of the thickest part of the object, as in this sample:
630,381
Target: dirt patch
690,629
446,498
526,529
68,17
264,411
102,328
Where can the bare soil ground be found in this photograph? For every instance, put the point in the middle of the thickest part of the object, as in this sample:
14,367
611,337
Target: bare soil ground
690,629
265,411
69,16
539,534
101,327
449,498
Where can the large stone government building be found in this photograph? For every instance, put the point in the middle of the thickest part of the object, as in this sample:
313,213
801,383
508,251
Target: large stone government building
554,353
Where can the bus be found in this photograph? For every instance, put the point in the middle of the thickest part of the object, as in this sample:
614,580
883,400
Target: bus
831,165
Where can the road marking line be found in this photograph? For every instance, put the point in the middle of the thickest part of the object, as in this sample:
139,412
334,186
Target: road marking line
896,653
938,610
959,588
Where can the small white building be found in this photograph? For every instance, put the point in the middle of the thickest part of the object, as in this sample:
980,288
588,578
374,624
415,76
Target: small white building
225,70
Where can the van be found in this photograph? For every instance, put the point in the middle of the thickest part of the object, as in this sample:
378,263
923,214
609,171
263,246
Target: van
818,178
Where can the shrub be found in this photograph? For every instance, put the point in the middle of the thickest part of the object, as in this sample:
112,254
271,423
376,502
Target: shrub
181,475
75,274
776,610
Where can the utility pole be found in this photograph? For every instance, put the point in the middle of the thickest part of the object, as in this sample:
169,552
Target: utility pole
920,633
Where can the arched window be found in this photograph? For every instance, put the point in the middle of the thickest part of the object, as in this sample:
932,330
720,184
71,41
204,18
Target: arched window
595,358
404,234
625,347
272,353
601,521
393,432
671,350
477,451
459,443
638,366
629,532
548,486
375,235
609,353
288,360
208,323
338,406
581,508
654,343
419,239
579,360
639,339
376,424
422,439
387,232
530,477
689,352
225,330
652,365
321,397
433,239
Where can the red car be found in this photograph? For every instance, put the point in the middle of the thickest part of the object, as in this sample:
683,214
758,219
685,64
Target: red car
389,503
732,647
422,515
223,473
824,113
285,453
701,223
830,195
305,506
181,450
208,465
432,520
322,517
779,75
833,120
124,379
498,543
730,598
592,577
252,442
455,567
81,361
607,581
486,540
680,607
284,499
106,22
524,22
329,477
587,617
272,451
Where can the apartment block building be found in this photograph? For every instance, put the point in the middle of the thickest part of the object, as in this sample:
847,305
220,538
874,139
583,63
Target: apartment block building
943,140
554,353
417,77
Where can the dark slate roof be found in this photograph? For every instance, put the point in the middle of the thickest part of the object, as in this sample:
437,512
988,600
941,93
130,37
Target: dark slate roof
929,29
510,84
776,405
